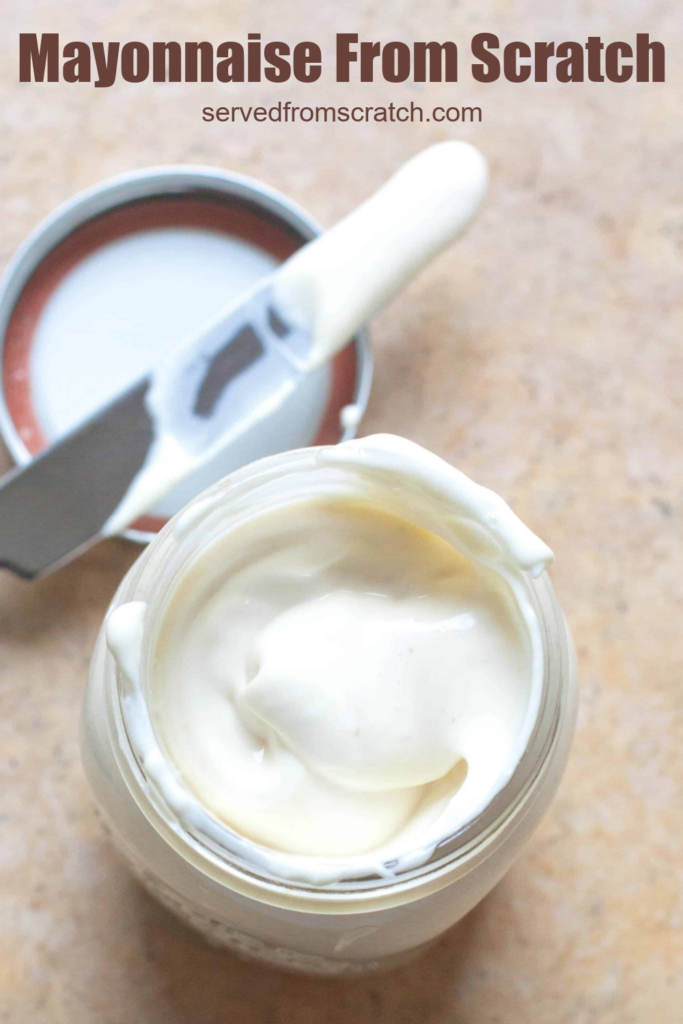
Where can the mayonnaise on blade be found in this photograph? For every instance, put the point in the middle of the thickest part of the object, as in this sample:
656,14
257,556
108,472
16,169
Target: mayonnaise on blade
341,681
329,288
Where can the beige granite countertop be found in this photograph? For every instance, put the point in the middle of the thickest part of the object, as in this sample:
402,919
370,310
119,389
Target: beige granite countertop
543,356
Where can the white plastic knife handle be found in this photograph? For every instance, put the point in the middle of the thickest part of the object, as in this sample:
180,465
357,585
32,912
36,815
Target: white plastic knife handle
337,282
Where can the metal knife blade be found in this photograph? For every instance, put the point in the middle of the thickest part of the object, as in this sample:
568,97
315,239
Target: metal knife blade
211,388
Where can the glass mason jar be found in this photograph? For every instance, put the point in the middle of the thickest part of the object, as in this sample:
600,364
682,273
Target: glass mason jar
223,888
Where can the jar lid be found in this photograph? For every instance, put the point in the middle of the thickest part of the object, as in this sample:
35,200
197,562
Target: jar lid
127,269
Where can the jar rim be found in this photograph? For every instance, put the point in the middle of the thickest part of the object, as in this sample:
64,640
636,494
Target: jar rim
149,581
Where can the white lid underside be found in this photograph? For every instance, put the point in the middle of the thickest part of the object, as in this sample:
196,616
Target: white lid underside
126,303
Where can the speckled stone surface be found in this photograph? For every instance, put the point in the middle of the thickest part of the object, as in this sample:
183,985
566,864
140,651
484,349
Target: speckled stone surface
543,356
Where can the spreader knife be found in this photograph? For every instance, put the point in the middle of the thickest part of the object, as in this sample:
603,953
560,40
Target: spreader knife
237,369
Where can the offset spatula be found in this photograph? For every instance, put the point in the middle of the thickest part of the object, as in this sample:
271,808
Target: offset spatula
237,369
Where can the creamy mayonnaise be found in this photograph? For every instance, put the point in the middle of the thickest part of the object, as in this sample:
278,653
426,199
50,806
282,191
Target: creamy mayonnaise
345,678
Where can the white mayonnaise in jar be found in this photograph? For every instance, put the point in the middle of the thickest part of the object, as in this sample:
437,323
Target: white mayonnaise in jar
330,703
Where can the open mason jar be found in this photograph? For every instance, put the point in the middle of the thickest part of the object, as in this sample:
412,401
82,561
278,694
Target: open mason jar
224,885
